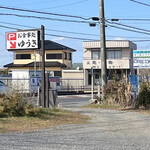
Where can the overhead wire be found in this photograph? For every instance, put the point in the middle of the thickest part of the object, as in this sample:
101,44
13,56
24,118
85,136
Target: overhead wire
69,37
129,26
78,33
62,31
75,38
140,3
132,19
47,29
79,2
10,8
128,29
56,35
41,12
44,18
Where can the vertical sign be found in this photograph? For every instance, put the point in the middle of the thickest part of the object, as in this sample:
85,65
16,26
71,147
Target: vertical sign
23,40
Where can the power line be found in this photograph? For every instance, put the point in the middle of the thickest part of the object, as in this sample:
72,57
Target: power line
29,4
140,3
129,26
64,31
135,19
69,37
130,37
141,40
78,33
41,12
8,27
128,29
45,18
68,31
79,2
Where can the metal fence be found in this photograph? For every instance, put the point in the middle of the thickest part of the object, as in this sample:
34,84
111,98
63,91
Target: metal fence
65,85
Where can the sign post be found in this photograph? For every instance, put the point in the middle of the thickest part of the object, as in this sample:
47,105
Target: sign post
43,67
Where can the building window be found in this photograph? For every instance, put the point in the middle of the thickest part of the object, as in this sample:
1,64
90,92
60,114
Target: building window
65,55
57,73
114,54
23,56
53,56
95,54
70,56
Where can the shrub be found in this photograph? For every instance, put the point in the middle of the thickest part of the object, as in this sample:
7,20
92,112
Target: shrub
15,105
143,99
118,93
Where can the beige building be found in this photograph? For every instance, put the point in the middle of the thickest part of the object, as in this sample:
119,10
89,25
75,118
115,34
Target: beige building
119,59
57,57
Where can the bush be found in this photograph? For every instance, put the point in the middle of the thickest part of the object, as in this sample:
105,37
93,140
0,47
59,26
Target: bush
14,106
118,93
143,99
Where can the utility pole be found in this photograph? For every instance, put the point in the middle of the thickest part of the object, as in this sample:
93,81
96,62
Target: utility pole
92,84
43,67
103,46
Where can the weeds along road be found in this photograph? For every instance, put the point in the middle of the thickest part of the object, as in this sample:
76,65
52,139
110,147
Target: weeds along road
107,130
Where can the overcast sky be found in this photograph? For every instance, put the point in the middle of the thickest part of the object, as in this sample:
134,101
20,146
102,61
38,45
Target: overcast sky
133,14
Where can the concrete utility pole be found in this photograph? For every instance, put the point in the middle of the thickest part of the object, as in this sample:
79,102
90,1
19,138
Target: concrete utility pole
103,46
43,67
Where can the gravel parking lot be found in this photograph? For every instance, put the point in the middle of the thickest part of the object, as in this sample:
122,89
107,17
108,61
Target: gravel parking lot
107,130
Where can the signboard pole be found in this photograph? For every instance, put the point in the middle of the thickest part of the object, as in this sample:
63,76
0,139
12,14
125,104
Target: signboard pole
92,84
47,90
34,63
43,67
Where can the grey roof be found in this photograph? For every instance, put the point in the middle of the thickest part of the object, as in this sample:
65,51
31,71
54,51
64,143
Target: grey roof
47,64
50,45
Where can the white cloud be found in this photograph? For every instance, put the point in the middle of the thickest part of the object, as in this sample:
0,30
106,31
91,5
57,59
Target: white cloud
120,38
58,39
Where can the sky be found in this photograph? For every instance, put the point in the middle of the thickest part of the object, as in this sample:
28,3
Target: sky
73,28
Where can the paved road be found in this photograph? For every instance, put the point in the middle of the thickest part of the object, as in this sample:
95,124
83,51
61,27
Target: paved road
73,101
107,130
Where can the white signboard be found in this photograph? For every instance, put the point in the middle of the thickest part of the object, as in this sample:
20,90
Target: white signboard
23,40
141,58
141,63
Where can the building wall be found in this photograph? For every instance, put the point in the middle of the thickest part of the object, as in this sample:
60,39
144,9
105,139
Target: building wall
24,61
72,80
124,63
35,56
72,74
20,80
109,44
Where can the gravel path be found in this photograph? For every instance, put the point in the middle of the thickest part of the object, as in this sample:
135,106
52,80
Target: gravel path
107,130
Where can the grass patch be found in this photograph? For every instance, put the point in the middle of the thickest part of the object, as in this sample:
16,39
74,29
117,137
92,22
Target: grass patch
44,119
129,109
140,110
